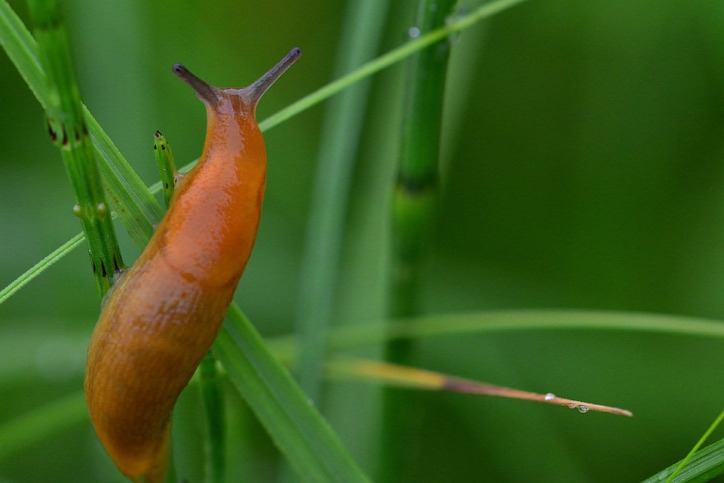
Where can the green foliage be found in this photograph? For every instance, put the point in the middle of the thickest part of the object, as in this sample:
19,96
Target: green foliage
582,167
704,465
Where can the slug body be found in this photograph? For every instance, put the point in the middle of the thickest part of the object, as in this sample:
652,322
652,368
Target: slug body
164,313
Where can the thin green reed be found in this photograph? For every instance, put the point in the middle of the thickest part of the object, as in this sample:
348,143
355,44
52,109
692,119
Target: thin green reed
166,165
212,395
413,210
361,34
68,130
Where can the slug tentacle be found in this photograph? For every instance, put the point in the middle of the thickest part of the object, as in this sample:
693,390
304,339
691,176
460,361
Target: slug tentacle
250,95
163,315
255,91
207,93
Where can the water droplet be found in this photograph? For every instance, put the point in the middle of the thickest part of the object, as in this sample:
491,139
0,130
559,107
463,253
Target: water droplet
582,409
572,405
77,211
413,32
102,210
549,396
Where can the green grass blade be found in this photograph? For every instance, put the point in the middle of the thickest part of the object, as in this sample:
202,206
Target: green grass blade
696,447
516,320
297,428
705,465
417,172
361,35
212,395
40,267
448,324
136,207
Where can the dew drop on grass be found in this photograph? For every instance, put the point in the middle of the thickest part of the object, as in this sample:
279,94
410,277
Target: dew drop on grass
549,396
582,409
413,32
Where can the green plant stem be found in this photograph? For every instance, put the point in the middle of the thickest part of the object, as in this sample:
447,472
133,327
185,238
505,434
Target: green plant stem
413,209
341,132
417,175
68,130
40,267
166,165
212,395
372,333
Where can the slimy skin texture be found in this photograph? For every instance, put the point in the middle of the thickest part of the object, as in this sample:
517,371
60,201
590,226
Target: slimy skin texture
163,315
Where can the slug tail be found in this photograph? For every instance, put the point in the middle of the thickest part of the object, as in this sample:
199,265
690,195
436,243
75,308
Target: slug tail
157,466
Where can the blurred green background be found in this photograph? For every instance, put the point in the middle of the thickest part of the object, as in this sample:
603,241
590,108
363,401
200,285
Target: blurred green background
583,167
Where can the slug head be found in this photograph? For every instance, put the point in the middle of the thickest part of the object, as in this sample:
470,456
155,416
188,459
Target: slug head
212,96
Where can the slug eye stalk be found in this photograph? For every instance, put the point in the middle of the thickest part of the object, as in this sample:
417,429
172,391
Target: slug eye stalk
211,95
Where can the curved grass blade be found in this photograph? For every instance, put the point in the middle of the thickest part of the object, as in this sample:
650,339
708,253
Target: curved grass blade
447,324
360,38
297,428
705,465
527,320
40,267
698,445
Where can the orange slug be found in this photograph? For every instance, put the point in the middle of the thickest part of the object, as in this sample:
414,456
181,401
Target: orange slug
163,315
